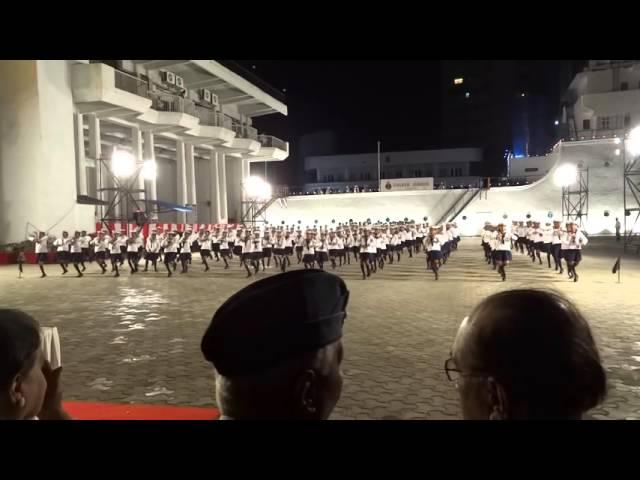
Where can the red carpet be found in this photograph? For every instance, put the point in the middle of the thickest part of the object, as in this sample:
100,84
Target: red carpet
112,411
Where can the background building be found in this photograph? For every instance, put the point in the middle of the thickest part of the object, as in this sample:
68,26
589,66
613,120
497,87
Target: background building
450,167
61,120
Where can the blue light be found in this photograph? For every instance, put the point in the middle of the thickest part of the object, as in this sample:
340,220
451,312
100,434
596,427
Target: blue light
518,156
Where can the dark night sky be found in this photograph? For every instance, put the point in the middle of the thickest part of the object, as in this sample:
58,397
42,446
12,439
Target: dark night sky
397,102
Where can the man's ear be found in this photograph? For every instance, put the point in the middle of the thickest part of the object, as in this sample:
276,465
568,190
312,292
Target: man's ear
306,398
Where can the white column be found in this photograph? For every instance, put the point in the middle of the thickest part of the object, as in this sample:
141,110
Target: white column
136,145
149,154
191,174
222,184
95,152
214,182
182,180
81,166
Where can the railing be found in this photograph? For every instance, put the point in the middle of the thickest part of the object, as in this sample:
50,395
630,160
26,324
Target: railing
252,133
167,102
596,134
207,116
271,141
130,83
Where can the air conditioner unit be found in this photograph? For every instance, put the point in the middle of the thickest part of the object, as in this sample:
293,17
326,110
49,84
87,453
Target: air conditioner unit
168,77
205,95
214,99
179,82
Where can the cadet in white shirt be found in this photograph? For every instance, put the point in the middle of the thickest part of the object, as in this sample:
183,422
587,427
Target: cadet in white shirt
84,246
322,251
547,237
42,241
152,249
502,251
257,252
368,252
434,251
116,253
62,251
572,244
536,238
100,244
334,248
225,250
170,245
185,250
133,246
247,252
556,243
308,251
267,249
76,252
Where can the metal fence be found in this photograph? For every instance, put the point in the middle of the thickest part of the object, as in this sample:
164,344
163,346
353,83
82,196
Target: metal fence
207,116
130,83
271,141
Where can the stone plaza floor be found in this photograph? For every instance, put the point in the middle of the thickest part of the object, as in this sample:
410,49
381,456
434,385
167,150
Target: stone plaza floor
136,339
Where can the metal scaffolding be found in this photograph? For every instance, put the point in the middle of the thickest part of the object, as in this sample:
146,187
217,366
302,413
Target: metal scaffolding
631,201
575,202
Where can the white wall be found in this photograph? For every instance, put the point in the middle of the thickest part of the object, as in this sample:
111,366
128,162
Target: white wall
167,187
37,152
538,199
203,190
543,164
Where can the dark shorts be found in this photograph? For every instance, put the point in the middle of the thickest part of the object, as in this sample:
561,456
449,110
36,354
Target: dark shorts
123,249
255,255
333,252
231,244
215,247
355,249
266,252
170,257
225,252
278,251
410,243
185,256
299,249
62,257
133,255
85,252
308,258
116,257
205,253
100,256
288,250
546,247
76,257
538,245
42,257
151,256
322,256
342,252
434,255
502,255
572,256
237,249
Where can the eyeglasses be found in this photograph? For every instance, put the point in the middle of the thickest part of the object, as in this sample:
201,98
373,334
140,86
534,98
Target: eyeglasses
453,373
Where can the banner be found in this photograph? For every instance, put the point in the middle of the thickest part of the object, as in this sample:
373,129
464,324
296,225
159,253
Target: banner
405,184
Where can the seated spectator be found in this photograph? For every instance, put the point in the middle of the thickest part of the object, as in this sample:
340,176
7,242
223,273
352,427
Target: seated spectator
278,359
526,355
30,390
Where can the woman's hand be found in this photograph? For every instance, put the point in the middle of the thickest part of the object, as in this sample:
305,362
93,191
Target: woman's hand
52,406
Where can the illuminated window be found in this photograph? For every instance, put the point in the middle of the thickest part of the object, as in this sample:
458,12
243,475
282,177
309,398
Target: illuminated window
458,81
467,95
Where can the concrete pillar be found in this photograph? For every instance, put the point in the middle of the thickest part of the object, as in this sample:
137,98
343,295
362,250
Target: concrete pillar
222,184
150,154
136,146
37,151
81,166
95,152
182,180
190,169
214,187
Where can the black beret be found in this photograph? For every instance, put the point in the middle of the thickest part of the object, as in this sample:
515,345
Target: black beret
275,319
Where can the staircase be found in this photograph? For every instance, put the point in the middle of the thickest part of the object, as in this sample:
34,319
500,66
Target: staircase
460,204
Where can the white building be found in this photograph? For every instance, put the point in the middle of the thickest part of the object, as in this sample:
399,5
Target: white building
59,117
450,167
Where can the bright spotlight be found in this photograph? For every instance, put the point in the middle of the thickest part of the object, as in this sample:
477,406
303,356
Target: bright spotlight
122,163
256,188
149,169
617,141
565,175
633,141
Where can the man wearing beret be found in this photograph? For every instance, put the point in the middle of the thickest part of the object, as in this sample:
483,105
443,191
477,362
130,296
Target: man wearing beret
276,346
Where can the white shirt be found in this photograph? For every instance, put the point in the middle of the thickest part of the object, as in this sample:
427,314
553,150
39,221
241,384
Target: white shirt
114,247
170,245
547,234
574,241
224,243
62,244
258,244
84,241
153,246
42,245
503,241
75,246
556,236
381,243
486,236
537,235
100,245
433,244
134,244
321,245
369,244
308,248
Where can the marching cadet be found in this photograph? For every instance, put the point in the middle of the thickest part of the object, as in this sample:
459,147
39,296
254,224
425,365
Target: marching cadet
530,240
62,251
115,253
42,241
333,249
289,243
522,236
322,251
556,243
215,243
298,242
133,248
204,242
502,250
485,238
381,248
84,247
184,243
267,249
247,251
573,242
278,251
308,251
152,249
547,237
537,238
225,248
257,252
170,246
76,252
433,251
100,247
